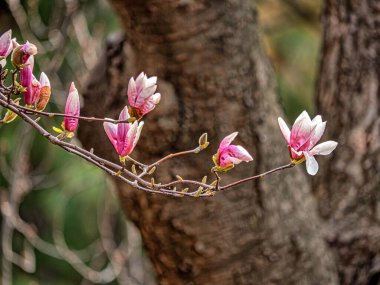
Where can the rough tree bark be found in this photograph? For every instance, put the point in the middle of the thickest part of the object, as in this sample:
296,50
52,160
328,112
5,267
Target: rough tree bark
213,77
349,98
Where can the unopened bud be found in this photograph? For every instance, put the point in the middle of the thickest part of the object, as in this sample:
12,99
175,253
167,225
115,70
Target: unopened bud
21,53
44,94
152,170
10,116
203,143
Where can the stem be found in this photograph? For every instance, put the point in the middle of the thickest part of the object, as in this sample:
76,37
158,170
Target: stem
233,184
169,156
87,119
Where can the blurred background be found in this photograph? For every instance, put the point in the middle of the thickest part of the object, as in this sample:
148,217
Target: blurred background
61,222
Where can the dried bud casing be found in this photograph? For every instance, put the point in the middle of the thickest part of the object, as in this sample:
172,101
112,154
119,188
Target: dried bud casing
44,94
43,99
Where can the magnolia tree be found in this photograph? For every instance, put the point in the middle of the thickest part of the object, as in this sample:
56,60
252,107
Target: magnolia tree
26,97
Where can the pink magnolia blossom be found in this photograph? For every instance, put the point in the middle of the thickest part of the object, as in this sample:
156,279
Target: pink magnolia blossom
228,155
72,108
6,45
141,96
123,136
302,140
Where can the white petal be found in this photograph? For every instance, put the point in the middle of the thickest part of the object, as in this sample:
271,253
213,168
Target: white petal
317,119
151,81
156,98
317,134
132,92
311,164
111,131
284,129
44,80
324,148
139,129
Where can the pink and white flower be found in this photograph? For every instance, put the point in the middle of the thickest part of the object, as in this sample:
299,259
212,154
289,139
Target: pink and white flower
141,96
123,136
302,140
6,45
229,155
72,108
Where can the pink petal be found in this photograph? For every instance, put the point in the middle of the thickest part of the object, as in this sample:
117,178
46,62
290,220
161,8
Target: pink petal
301,132
227,141
6,45
126,144
239,152
284,129
122,130
147,107
139,129
317,134
111,131
324,148
132,92
311,164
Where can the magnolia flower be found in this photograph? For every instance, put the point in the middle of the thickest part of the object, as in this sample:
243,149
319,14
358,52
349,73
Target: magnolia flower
6,45
72,108
141,96
228,155
123,136
302,140
44,92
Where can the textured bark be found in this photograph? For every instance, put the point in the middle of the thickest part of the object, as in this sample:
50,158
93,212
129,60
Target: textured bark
349,98
213,77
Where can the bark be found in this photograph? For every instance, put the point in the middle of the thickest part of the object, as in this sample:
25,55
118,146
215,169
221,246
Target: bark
213,77
349,98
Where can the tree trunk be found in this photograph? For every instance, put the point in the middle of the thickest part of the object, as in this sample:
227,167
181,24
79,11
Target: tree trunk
214,77
349,98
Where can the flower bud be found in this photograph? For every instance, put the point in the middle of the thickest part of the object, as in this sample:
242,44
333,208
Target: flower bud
26,80
21,53
44,94
73,109
229,155
10,116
